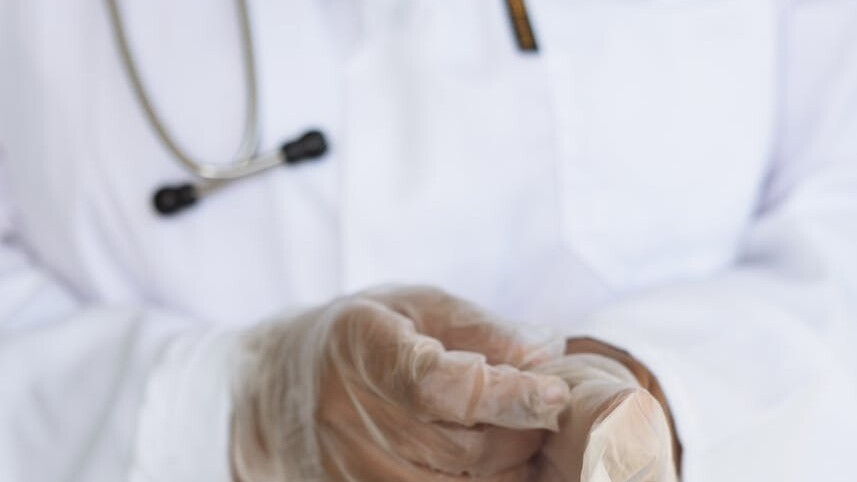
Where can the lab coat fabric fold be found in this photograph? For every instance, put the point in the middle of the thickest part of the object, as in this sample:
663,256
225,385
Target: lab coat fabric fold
185,417
677,177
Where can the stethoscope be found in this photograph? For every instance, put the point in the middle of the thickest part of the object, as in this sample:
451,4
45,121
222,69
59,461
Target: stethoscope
174,198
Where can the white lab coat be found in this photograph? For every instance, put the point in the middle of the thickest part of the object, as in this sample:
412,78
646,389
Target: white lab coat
677,177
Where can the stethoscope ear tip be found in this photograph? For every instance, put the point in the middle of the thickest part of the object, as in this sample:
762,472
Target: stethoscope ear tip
169,200
311,145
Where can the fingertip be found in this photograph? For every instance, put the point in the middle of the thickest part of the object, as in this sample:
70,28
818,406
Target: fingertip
548,401
556,393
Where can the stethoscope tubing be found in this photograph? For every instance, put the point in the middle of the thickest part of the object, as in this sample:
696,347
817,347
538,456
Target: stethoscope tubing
171,199
245,162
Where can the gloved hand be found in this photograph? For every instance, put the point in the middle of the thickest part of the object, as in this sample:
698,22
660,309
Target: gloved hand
405,384
613,430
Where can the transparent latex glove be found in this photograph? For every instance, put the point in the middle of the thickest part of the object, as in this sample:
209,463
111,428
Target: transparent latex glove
612,431
400,384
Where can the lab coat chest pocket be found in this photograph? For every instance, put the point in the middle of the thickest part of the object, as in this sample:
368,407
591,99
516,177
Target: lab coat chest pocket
663,113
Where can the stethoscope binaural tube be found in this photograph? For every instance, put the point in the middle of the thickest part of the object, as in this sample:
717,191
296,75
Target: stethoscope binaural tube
169,200
172,199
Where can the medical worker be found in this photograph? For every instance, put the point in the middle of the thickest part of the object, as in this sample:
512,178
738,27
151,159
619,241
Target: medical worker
671,185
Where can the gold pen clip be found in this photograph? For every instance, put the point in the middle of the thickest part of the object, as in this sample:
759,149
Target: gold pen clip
520,18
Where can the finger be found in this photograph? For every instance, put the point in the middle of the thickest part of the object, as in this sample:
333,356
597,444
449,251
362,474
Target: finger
461,325
482,450
487,450
630,441
459,387
587,367
449,448
548,470
378,349
348,455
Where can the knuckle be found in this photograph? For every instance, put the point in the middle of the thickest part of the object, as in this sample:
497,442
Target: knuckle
354,311
417,368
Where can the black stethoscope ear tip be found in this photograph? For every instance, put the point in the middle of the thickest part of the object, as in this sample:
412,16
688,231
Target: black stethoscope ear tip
169,200
311,145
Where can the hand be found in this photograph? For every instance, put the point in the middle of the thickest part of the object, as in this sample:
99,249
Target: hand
613,431
406,384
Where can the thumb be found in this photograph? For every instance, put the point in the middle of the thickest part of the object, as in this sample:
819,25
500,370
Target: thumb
629,441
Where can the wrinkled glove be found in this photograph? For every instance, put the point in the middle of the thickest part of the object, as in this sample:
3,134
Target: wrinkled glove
400,384
612,431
